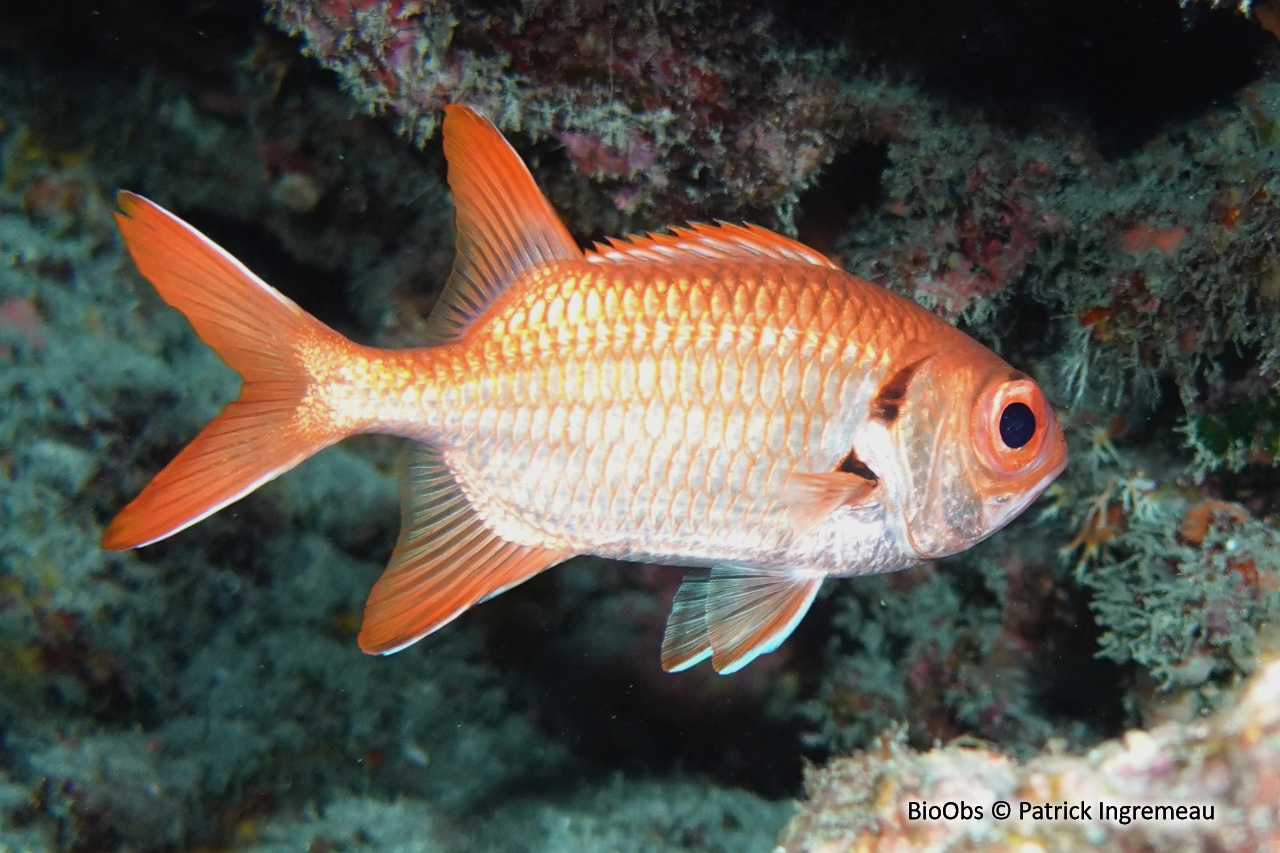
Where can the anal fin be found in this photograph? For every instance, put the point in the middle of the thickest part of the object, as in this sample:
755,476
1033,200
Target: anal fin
734,616
446,560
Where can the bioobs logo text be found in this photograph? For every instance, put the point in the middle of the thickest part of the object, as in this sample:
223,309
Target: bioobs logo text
950,810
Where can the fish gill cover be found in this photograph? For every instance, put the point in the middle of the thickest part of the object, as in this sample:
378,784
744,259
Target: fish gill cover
1091,189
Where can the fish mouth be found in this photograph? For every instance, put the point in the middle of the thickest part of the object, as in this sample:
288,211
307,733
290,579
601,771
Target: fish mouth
1012,510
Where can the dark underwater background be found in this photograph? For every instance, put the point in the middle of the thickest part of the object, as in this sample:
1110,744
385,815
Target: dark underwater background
1090,188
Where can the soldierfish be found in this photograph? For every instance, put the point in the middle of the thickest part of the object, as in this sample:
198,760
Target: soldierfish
719,396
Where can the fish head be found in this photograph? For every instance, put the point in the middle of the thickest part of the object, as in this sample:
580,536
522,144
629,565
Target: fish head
974,443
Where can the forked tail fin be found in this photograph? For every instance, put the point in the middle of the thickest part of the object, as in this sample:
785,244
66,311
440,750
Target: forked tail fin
278,419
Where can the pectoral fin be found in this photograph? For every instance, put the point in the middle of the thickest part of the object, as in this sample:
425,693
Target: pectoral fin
810,498
734,616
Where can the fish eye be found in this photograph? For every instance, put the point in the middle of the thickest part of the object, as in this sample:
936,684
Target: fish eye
1017,425
1010,424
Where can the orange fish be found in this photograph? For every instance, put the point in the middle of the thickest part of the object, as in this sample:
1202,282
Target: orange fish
720,396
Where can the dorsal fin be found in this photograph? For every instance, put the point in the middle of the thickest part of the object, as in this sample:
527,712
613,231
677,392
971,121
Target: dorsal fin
703,242
505,225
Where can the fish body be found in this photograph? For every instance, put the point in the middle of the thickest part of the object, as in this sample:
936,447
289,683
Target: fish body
660,414
720,396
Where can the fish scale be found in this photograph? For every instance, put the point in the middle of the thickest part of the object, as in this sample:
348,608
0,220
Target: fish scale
719,396
711,422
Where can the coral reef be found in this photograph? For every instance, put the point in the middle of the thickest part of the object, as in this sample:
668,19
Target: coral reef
682,107
1185,587
1204,786
1160,269
961,649
1112,234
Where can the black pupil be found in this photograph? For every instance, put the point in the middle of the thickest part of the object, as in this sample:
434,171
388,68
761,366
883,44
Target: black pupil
1017,425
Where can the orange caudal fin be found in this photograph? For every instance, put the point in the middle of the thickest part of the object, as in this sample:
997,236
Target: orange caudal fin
262,335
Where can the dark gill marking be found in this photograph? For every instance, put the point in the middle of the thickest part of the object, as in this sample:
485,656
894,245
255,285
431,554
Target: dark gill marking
887,405
851,464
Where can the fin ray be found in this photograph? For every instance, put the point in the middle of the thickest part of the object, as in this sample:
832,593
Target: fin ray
733,616
445,560
257,331
809,498
700,241
751,611
505,225
685,642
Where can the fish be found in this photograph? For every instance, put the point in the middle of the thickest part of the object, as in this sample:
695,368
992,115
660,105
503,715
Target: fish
717,397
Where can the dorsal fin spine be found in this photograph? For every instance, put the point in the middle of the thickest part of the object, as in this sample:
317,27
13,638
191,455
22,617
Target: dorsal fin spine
720,241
